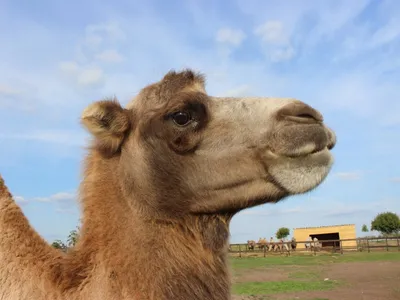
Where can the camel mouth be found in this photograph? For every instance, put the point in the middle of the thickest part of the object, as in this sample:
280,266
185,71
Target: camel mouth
300,174
312,153
291,143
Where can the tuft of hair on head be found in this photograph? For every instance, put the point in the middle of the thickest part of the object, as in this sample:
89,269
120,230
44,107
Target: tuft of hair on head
185,77
109,123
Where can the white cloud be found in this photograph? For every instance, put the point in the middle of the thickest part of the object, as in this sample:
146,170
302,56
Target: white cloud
276,40
111,55
362,38
93,40
65,210
69,67
8,91
91,76
21,200
110,30
272,32
342,209
86,69
64,137
282,54
240,91
11,97
386,34
395,179
230,36
85,76
58,197
349,175
364,91
334,17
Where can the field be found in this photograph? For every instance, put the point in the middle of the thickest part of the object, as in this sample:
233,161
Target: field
359,275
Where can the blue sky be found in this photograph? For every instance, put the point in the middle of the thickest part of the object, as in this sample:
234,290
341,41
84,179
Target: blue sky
339,56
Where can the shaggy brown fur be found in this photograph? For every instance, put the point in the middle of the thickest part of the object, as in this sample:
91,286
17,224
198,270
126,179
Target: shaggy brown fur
171,169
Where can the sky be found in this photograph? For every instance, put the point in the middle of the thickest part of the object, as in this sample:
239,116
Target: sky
339,56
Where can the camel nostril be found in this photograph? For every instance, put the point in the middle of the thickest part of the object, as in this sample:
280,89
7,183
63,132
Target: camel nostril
301,112
306,116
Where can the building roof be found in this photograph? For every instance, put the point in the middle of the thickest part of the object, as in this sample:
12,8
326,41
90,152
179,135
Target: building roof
342,225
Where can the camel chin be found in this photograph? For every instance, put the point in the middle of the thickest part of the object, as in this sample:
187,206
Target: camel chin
303,173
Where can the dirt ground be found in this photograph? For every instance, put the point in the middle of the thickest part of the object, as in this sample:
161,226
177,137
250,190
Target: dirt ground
361,280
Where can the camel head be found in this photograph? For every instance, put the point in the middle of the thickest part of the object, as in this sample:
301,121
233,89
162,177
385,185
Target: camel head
178,151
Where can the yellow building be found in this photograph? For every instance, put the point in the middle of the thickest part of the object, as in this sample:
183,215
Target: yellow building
329,234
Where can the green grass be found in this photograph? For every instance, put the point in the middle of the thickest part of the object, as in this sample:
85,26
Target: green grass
313,298
269,287
302,279
305,275
297,260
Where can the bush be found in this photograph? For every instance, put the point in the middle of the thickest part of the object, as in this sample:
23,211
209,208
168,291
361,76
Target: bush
386,223
282,233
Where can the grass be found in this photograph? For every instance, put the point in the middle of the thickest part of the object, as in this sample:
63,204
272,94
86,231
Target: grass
269,287
305,275
304,279
309,260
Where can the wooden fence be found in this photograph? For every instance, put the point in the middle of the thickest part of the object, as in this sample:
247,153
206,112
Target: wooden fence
322,246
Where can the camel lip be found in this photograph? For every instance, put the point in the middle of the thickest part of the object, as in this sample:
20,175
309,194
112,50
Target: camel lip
315,152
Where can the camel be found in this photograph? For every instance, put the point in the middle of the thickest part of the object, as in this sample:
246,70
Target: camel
293,244
171,169
262,243
251,244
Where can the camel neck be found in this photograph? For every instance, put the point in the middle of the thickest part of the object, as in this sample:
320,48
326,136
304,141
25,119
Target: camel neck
183,258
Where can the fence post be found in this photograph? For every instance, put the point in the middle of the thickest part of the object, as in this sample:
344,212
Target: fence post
265,250
240,251
387,245
315,251
368,245
398,243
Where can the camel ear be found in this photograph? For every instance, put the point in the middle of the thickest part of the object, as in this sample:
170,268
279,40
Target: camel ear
109,123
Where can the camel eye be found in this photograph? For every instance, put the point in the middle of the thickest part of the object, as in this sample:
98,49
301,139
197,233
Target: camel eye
181,118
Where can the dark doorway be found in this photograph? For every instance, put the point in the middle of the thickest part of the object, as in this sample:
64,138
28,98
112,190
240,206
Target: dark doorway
328,239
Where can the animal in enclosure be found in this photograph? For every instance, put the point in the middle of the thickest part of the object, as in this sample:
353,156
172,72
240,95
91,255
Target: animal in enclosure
285,245
274,246
170,169
307,244
293,244
251,244
280,246
262,243
271,244
315,245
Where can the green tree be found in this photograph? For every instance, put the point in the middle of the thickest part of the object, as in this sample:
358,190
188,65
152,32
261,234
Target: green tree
364,228
73,237
282,233
58,244
386,223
